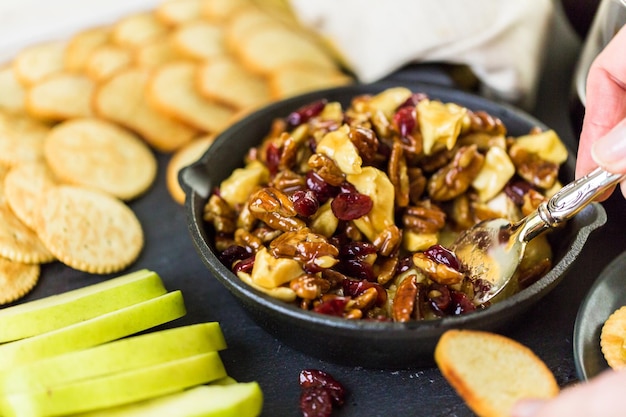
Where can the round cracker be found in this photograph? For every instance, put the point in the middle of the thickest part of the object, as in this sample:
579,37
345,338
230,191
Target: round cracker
186,155
19,242
16,279
613,338
89,230
23,187
21,138
99,154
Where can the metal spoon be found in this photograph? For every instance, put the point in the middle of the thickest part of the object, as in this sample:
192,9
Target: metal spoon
491,251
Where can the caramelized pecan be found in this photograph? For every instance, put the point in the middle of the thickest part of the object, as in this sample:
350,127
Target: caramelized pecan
405,299
220,214
532,168
436,271
398,175
424,218
455,178
326,168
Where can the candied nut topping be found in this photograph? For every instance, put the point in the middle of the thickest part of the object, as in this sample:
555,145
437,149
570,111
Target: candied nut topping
346,210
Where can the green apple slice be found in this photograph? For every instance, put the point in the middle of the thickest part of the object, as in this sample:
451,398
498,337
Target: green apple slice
117,356
113,390
243,399
53,312
95,331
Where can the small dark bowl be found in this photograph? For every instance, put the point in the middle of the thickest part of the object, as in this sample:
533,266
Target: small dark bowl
366,343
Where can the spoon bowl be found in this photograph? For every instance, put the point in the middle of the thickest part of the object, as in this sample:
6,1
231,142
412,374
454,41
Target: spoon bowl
491,251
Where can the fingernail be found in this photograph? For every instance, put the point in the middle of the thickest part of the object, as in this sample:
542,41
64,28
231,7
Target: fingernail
526,408
609,151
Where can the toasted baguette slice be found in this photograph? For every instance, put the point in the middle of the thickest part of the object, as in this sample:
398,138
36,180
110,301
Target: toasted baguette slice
176,12
172,90
199,40
105,60
298,79
37,61
220,10
122,99
135,29
492,372
61,96
156,52
12,97
82,44
226,81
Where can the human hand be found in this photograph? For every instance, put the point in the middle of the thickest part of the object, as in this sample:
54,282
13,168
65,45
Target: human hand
600,397
605,112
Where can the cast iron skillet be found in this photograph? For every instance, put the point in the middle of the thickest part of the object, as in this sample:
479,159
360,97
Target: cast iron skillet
365,343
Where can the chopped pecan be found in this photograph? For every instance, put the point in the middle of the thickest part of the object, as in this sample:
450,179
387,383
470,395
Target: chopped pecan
483,122
288,181
532,199
388,241
455,178
274,208
386,269
220,214
438,272
248,240
365,300
309,248
417,184
532,168
424,218
309,286
461,212
365,141
398,175
405,299
327,169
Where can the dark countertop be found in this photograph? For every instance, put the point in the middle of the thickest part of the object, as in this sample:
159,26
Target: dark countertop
254,355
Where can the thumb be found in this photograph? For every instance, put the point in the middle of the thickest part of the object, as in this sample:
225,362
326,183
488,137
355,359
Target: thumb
609,151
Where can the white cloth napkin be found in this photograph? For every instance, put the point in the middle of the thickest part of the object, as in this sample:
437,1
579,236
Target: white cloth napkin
501,41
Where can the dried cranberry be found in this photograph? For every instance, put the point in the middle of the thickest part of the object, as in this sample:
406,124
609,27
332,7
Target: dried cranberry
233,253
305,203
414,99
346,187
439,297
354,288
404,120
305,113
356,268
316,402
442,255
461,303
332,307
516,189
357,249
350,206
244,265
404,264
272,158
321,188
315,378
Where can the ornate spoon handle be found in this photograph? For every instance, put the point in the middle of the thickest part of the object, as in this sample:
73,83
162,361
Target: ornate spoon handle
576,195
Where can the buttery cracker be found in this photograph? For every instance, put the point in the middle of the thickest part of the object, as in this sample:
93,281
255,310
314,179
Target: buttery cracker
226,81
220,10
60,96
613,339
172,89
23,187
35,62
18,242
82,44
199,40
16,279
183,157
12,97
21,138
122,100
96,153
243,23
89,230
175,12
135,29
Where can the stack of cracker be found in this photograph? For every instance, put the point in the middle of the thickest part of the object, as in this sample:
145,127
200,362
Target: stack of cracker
81,118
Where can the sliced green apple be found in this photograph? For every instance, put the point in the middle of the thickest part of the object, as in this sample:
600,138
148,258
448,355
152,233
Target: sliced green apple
116,389
51,313
94,331
244,399
117,356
